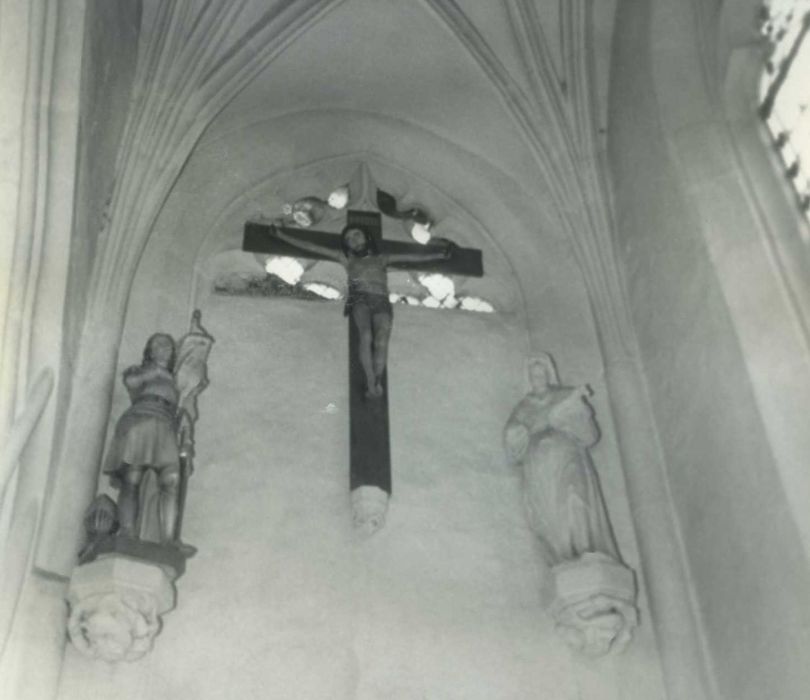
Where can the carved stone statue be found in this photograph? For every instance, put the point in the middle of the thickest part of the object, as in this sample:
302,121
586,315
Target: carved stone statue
156,432
549,434
127,568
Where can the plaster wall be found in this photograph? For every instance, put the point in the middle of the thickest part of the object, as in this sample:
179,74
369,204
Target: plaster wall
283,600
712,330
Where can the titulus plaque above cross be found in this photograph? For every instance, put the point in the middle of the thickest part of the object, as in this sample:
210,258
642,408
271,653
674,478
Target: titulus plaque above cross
366,256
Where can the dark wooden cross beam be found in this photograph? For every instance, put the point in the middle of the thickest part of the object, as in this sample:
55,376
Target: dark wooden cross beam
370,457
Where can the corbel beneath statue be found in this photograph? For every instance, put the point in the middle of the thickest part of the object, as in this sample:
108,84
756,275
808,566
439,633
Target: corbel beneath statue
116,603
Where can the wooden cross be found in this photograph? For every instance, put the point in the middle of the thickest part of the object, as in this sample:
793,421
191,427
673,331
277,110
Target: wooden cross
370,454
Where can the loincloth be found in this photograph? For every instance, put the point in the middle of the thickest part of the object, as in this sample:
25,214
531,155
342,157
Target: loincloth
375,303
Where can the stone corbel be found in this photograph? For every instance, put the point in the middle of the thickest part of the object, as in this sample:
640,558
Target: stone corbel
369,508
594,605
116,603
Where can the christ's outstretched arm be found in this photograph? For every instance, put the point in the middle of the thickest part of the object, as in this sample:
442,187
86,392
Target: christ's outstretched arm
427,256
309,246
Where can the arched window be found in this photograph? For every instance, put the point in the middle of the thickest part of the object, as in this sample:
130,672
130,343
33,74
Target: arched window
785,89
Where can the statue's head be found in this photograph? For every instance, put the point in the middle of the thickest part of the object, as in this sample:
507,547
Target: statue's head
356,240
542,373
160,350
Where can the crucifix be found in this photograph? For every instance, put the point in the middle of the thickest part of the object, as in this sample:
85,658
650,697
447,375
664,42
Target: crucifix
370,455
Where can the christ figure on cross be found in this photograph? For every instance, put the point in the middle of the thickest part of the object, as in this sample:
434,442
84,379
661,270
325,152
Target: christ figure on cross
366,255
367,301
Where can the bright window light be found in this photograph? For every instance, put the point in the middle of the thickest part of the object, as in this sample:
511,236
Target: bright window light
476,304
439,286
785,90
288,269
339,198
421,233
322,290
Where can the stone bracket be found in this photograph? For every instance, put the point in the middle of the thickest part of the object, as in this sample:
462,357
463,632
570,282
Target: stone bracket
116,605
369,508
594,604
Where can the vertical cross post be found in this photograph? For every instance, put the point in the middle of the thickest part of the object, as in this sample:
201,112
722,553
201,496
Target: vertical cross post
370,449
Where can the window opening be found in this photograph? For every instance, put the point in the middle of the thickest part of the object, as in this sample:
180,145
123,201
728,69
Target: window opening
284,278
785,89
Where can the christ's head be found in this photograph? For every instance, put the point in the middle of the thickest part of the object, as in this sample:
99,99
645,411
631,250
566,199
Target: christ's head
355,240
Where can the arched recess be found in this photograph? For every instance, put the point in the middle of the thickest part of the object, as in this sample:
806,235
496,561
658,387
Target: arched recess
229,179
558,127
534,275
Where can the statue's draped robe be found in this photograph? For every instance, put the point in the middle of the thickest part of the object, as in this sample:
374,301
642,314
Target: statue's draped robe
561,490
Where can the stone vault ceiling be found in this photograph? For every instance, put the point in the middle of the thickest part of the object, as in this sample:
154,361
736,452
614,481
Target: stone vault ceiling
399,60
